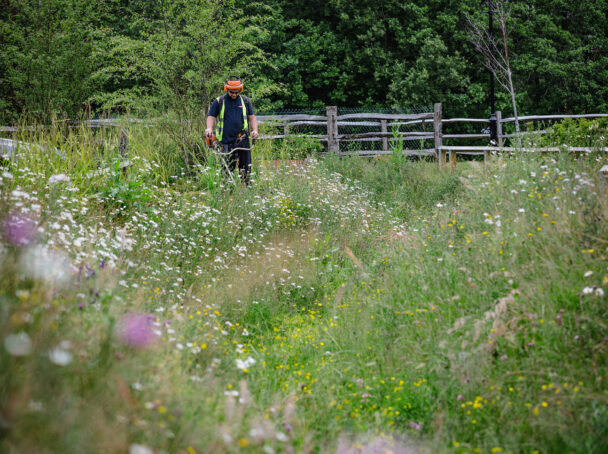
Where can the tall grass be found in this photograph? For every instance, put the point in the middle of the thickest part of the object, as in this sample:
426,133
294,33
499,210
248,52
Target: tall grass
341,305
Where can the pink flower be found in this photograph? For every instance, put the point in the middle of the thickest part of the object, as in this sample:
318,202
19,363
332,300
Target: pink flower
136,330
415,425
18,230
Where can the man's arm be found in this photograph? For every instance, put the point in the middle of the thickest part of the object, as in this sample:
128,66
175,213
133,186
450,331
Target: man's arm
210,125
253,125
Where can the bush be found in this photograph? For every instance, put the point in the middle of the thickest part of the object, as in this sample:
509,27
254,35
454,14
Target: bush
592,133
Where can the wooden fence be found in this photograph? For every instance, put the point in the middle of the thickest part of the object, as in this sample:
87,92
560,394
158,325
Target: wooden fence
387,132
332,123
380,127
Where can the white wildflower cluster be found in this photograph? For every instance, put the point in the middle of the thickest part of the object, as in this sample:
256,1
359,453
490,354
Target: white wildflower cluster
492,219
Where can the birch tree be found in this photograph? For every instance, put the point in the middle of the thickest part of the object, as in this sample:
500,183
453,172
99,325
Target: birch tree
496,53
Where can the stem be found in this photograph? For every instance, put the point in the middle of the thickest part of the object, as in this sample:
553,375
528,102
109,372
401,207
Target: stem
514,108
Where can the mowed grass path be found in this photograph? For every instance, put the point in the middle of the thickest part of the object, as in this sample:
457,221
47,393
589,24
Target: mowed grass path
345,305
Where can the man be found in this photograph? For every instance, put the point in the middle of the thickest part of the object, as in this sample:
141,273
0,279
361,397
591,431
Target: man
232,115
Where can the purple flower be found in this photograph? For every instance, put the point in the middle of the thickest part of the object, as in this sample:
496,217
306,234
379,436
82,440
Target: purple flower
18,230
89,272
136,330
415,425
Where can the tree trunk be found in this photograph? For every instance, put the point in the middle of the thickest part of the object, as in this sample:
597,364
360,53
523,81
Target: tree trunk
512,90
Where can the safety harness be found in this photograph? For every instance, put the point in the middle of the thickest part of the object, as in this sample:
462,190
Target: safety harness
219,129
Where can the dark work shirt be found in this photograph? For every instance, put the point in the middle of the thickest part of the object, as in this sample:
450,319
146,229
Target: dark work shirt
233,116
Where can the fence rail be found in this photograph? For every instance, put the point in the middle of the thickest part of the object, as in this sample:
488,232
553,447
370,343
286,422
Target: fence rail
387,131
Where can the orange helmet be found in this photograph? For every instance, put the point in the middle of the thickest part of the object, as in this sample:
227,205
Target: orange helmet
234,83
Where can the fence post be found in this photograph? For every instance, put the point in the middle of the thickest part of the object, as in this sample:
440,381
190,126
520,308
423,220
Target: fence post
332,129
384,129
499,127
123,146
438,135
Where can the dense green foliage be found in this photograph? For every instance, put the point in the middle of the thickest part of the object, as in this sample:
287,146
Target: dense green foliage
60,56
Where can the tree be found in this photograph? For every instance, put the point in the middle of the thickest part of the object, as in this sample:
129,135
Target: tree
197,45
496,55
435,75
46,64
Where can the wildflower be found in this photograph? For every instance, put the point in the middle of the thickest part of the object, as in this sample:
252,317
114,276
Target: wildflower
587,290
245,364
282,437
46,265
59,177
136,330
18,344
599,292
60,356
588,273
139,449
415,425
18,230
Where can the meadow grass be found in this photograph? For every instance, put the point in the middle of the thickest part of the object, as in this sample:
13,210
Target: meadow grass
342,305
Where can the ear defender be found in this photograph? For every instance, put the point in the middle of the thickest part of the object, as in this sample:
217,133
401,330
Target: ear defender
234,83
